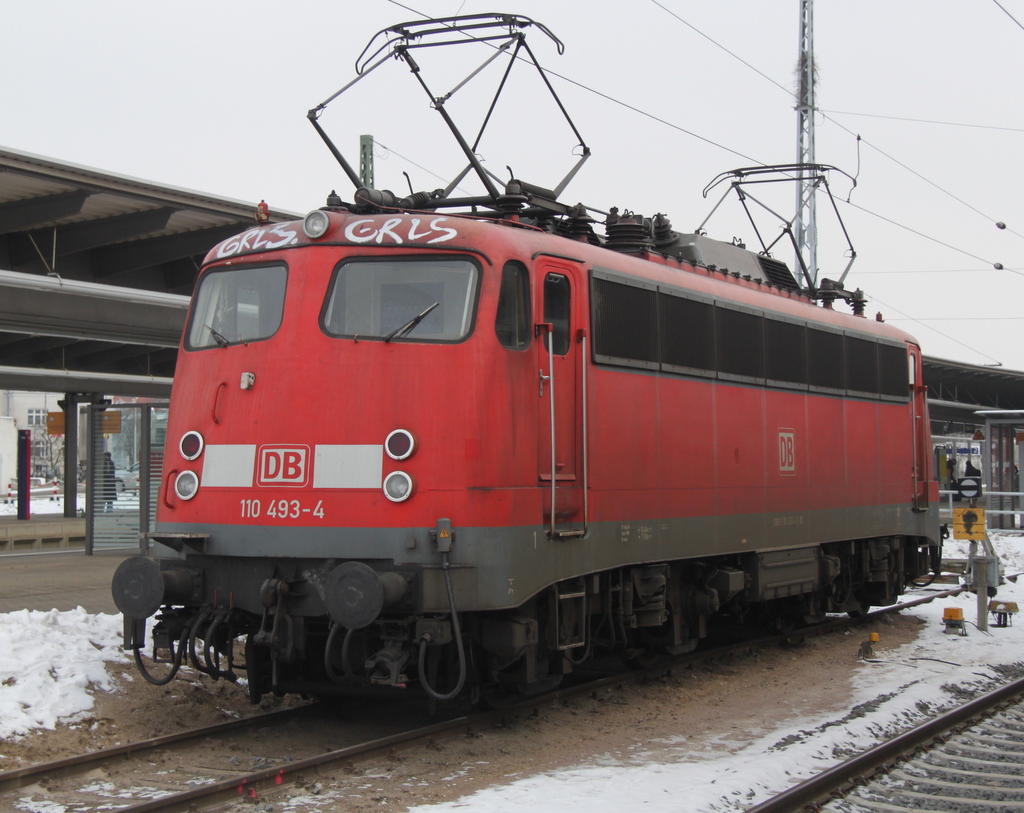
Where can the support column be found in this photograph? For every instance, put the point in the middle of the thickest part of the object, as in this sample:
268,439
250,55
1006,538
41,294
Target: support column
145,520
24,474
70,407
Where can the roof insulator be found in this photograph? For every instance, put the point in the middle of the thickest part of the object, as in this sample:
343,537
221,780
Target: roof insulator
629,234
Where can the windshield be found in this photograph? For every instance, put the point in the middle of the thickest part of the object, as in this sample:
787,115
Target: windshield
403,299
237,306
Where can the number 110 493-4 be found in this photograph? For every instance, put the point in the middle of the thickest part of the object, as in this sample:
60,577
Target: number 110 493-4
280,509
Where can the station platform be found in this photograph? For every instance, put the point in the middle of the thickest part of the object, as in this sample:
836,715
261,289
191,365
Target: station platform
59,580
41,533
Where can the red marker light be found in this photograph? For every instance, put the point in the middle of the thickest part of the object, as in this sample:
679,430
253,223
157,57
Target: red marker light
191,445
400,444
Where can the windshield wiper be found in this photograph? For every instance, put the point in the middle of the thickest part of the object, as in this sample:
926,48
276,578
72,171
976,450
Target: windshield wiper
217,337
408,326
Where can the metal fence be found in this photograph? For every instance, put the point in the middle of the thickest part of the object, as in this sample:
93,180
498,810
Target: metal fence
1009,516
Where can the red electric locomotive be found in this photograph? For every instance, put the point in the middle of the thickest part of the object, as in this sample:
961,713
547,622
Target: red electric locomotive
468,451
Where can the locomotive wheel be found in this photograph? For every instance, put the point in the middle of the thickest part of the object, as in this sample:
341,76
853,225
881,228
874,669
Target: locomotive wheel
642,658
857,606
644,650
784,624
539,686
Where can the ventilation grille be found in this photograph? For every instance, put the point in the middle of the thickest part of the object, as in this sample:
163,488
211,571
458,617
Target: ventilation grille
777,273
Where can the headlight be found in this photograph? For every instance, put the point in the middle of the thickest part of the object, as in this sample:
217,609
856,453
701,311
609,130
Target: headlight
400,444
186,485
316,224
191,445
398,486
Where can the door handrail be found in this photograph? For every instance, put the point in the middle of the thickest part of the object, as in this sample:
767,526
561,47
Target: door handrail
584,407
549,333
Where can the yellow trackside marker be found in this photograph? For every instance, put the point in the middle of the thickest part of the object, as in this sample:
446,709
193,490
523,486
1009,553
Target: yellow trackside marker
969,523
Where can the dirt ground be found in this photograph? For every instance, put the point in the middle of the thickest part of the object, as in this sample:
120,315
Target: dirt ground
727,702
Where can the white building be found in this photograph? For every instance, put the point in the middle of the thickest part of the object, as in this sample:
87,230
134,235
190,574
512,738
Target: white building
28,410
8,452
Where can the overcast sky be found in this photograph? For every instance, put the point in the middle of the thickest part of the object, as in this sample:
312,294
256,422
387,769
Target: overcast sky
213,97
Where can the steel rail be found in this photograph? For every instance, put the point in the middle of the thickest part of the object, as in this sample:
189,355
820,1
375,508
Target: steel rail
842,777
19,777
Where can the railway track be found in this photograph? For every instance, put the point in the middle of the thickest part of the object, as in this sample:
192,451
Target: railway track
967,760
172,766
134,773
22,777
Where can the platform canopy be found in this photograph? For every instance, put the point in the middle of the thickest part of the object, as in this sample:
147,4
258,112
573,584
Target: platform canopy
96,271
957,391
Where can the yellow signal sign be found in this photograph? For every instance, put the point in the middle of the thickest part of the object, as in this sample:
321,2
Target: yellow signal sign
969,523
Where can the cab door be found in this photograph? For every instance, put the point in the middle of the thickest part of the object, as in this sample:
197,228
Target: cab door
559,359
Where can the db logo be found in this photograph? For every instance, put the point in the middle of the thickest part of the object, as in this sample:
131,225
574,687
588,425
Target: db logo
787,451
283,466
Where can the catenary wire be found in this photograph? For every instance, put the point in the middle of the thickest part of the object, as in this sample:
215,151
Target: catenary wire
923,121
722,47
1008,13
409,160
917,174
926,326
939,271
736,152
921,234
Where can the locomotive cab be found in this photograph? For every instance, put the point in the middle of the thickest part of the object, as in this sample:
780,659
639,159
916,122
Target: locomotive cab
334,406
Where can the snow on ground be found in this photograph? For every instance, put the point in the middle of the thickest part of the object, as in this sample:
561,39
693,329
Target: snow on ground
47,507
51,664
53,660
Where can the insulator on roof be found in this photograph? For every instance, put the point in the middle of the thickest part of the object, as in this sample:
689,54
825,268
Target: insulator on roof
663,234
628,234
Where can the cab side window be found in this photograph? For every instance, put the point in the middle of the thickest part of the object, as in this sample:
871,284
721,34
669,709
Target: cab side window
512,324
557,310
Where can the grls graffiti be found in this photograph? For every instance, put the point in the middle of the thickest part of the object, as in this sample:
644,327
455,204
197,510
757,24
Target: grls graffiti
397,230
392,229
263,239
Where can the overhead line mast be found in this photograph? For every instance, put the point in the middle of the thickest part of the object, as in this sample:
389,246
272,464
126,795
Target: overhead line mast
805,224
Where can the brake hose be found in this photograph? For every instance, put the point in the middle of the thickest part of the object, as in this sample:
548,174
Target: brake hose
331,673
203,615
174,667
458,643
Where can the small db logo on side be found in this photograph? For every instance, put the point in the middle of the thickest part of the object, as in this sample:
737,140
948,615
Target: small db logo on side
283,466
787,451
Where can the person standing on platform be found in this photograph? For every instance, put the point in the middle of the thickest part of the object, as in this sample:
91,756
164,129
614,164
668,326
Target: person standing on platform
108,482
